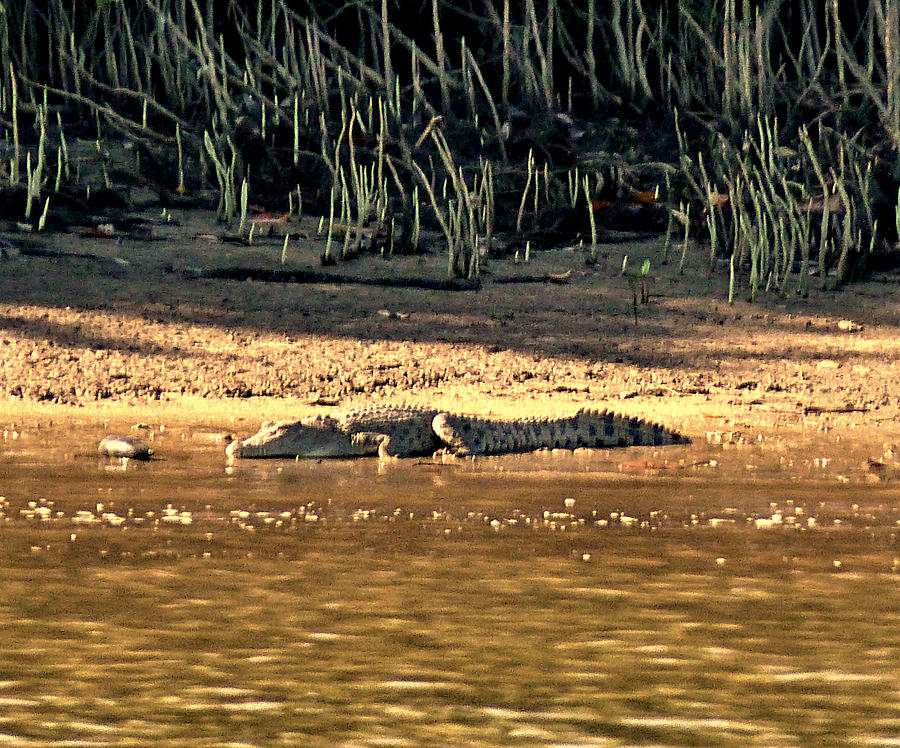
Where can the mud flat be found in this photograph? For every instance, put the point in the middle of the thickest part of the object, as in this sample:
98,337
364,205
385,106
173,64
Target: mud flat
127,331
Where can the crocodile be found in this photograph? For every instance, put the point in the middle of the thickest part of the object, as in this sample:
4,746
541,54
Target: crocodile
405,431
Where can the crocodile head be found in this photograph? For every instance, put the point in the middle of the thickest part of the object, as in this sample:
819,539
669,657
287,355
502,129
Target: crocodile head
319,437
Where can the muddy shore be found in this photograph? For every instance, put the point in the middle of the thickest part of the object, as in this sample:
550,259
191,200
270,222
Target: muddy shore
125,329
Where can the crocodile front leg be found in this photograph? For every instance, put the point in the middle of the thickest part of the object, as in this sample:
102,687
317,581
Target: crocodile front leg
371,443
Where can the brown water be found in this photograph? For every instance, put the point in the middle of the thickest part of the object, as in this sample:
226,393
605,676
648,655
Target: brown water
694,596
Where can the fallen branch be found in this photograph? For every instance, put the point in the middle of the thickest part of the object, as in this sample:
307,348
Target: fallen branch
819,409
317,276
262,275
558,278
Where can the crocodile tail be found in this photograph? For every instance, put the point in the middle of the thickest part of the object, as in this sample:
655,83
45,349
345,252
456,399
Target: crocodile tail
587,428
608,429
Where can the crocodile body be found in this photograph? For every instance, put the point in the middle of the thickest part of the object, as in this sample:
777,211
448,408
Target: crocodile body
410,431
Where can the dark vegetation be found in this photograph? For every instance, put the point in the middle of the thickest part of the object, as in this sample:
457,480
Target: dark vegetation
768,130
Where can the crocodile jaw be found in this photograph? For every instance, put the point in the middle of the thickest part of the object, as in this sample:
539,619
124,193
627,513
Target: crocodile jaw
319,438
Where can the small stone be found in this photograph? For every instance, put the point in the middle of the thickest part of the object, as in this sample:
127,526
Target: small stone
846,325
124,446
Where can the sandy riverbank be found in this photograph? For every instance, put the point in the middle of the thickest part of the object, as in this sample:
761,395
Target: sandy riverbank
115,335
